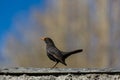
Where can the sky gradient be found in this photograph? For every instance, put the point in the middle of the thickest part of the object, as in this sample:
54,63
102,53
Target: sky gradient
9,9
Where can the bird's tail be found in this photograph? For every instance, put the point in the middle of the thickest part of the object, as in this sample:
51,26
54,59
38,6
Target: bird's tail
67,54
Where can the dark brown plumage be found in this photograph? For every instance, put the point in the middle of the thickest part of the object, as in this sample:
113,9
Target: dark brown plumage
55,54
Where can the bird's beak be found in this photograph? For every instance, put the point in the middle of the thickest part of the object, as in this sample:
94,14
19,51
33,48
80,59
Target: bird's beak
42,38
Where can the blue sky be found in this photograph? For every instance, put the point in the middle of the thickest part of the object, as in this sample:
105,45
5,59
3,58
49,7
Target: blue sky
10,8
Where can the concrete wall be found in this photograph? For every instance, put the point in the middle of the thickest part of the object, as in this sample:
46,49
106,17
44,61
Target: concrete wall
58,74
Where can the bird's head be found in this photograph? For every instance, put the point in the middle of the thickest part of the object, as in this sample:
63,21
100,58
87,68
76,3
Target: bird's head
47,40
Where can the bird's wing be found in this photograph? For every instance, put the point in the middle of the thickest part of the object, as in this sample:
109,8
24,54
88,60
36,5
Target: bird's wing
56,54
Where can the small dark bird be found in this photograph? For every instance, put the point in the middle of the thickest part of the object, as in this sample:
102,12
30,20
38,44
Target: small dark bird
55,54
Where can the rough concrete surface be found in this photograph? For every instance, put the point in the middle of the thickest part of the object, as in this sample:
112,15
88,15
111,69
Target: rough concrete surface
62,77
58,74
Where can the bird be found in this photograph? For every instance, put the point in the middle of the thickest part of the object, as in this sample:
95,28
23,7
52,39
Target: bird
55,54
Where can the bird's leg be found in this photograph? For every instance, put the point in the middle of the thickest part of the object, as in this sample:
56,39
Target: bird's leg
55,65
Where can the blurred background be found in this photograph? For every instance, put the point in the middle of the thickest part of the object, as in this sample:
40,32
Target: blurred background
91,25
